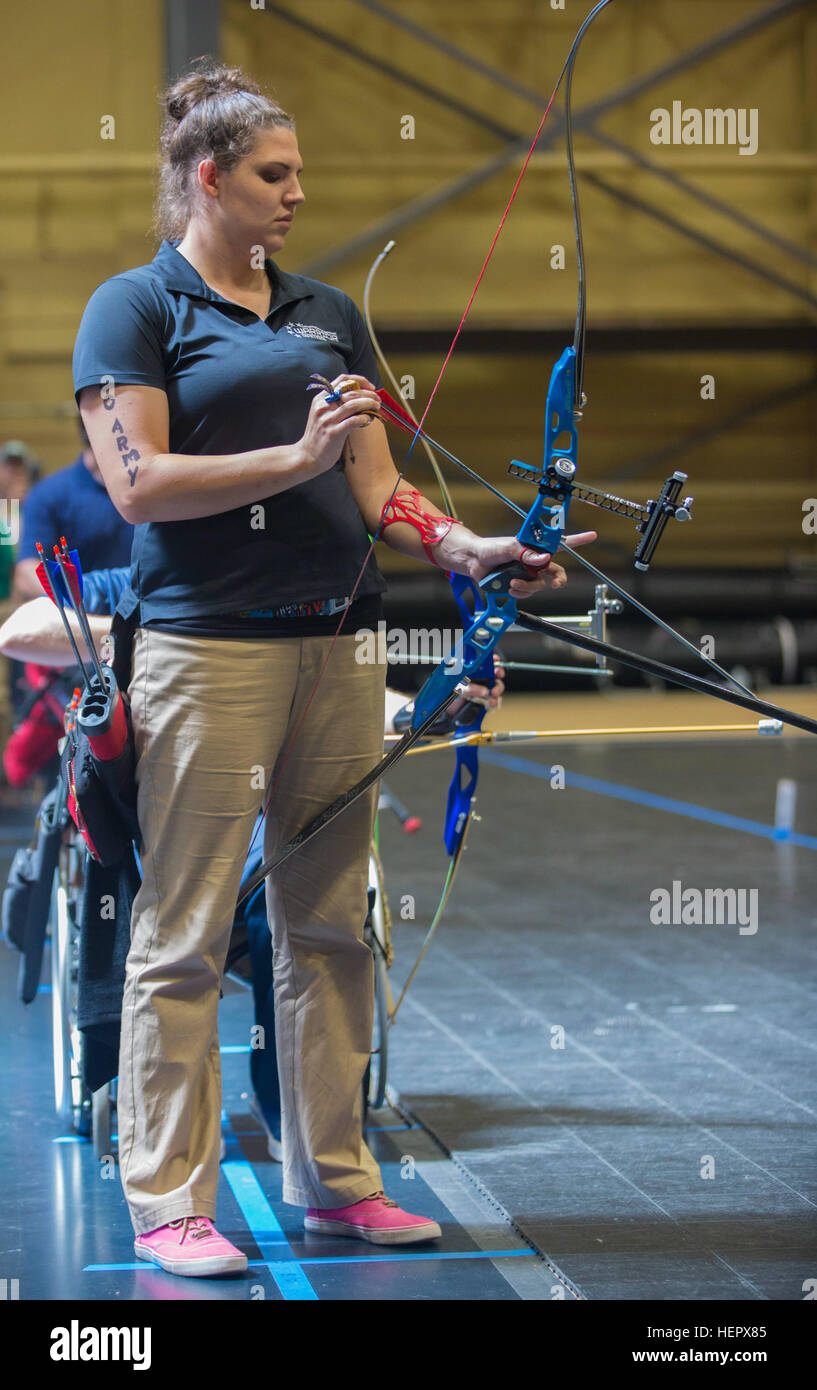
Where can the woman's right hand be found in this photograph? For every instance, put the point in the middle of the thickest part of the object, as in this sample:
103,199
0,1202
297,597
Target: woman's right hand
331,422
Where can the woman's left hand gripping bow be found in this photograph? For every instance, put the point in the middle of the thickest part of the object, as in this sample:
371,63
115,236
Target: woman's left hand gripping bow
484,554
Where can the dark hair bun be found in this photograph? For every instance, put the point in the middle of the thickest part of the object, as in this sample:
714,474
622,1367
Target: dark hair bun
206,79
210,112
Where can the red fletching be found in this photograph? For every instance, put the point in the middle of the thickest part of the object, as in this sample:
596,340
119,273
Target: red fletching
395,413
42,574
45,581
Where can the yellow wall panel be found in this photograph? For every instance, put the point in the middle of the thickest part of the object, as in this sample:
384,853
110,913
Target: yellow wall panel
76,209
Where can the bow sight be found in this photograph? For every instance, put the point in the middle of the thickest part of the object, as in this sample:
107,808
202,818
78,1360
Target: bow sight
544,525
652,516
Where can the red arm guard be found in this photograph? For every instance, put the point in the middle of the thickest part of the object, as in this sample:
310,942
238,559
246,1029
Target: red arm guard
408,507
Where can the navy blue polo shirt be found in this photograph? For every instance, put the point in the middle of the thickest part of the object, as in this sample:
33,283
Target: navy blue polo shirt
74,504
235,383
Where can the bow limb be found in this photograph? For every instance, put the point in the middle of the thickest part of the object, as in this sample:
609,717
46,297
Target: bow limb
487,737
453,866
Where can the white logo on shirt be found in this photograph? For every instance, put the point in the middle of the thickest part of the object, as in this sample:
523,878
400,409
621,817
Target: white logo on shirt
311,330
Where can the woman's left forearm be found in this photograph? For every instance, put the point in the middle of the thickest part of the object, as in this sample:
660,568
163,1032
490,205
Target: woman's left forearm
458,549
416,527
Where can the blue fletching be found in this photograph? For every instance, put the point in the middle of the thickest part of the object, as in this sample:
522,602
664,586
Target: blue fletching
73,555
56,583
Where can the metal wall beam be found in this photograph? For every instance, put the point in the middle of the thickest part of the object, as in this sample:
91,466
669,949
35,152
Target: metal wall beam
607,340
709,243
658,458
583,119
587,119
751,25
707,199
192,28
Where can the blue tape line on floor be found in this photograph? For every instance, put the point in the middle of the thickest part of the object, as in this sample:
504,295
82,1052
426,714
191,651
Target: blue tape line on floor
266,1230
414,1255
662,803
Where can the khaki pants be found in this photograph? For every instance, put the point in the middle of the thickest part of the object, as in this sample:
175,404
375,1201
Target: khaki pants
212,722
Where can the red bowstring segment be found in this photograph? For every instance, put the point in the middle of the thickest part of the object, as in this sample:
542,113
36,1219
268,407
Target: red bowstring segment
502,221
416,430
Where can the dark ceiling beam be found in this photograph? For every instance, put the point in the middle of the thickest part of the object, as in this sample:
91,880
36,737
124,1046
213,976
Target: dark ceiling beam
786,337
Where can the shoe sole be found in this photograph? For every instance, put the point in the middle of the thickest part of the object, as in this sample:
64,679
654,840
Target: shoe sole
396,1235
216,1264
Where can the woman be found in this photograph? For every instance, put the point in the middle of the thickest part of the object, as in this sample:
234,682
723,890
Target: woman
252,509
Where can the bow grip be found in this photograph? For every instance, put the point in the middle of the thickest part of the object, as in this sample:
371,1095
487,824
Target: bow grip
498,583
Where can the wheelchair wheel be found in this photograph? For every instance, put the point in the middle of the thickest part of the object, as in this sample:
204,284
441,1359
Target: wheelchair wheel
101,1114
60,1013
71,1097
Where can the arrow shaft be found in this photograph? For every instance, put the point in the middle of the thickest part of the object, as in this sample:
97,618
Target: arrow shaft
490,736
49,590
669,673
78,606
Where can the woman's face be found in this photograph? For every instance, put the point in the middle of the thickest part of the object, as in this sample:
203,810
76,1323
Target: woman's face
256,201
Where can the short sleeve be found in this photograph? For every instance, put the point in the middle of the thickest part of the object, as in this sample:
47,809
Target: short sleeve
120,336
362,360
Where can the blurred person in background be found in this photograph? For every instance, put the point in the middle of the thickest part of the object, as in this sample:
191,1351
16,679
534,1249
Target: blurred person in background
18,469
72,502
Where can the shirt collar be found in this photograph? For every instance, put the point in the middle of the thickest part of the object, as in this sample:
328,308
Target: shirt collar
176,273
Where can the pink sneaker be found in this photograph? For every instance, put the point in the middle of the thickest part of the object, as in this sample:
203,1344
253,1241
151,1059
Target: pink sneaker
376,1219
191,1245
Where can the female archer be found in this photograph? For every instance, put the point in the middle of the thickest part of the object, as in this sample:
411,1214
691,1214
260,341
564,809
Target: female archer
252,501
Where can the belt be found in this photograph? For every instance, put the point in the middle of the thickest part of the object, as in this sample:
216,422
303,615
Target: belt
314,608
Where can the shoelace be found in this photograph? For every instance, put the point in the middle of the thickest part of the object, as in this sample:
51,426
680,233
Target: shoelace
381,1197
190,1224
